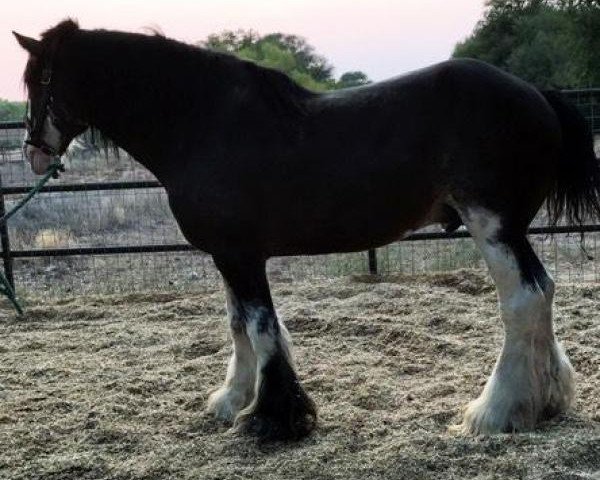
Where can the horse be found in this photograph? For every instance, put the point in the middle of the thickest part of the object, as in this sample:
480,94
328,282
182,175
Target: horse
256,166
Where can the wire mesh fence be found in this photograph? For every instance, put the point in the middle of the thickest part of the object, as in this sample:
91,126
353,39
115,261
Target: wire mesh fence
112,202
588,102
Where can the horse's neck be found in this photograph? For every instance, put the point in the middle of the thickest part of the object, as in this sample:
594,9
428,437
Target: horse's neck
160,117
150,127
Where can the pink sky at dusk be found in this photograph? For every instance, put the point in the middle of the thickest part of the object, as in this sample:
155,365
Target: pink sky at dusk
383,38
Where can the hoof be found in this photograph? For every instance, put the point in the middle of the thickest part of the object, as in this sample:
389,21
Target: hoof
281,410
506,406
226,403
277,425
481,418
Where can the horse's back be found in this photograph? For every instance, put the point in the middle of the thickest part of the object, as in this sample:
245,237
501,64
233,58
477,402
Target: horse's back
448,88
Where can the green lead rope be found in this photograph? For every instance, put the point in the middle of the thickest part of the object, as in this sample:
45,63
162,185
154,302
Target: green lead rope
52,172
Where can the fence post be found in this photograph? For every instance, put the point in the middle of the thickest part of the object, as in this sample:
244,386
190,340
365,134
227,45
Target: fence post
372,253
5,242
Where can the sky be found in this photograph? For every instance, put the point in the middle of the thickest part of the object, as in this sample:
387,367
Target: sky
382,38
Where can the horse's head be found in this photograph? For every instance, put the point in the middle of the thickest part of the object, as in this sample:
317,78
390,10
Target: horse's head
52,121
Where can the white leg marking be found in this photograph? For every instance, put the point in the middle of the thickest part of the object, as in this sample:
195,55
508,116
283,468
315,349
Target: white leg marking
532,376
265,342
238,389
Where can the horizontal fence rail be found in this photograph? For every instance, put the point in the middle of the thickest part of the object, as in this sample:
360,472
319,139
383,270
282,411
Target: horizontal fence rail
84,187
588,100
186,247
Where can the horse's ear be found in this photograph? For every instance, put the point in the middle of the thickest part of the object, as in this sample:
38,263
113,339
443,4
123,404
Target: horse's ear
33,46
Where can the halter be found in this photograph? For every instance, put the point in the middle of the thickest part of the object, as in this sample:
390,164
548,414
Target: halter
35,126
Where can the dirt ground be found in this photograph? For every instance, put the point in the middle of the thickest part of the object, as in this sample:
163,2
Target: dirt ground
114,387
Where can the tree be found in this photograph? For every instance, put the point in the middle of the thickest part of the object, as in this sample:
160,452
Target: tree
587,25
547,42
11,111
315,65
290,54
352,79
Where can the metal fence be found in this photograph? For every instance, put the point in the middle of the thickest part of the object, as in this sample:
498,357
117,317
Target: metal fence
588,102
105,226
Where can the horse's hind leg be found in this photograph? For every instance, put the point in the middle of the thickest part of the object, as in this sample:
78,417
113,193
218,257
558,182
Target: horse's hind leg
280,408
532,379
238,390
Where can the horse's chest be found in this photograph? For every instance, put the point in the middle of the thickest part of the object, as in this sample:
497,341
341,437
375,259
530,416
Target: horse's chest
212,221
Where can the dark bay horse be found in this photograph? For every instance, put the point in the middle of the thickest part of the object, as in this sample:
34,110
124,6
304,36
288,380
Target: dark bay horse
256,166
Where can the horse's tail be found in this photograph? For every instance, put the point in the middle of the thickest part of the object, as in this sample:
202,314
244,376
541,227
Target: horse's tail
576,191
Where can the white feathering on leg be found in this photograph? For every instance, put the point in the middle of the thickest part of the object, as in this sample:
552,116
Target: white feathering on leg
532,375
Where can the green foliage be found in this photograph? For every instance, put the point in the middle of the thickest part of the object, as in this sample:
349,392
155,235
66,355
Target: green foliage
315,65
11,111
547,42
352,79
290,54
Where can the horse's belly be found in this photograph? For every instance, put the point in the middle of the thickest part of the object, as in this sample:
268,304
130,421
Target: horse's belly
320,214
332,243
349,232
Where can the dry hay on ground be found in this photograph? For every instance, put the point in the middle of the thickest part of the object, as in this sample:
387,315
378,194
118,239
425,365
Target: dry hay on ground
115,386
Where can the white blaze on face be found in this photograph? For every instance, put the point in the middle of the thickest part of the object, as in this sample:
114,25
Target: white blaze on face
39,160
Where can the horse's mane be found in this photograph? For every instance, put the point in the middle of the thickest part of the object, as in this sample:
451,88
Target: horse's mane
61,30
178,67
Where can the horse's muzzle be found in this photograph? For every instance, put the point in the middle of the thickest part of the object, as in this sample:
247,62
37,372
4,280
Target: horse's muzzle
39,160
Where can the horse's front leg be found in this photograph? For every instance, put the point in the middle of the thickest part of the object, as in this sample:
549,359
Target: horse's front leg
238,389
280,408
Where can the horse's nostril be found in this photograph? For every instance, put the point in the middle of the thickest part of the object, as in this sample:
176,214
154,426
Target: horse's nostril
28,152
